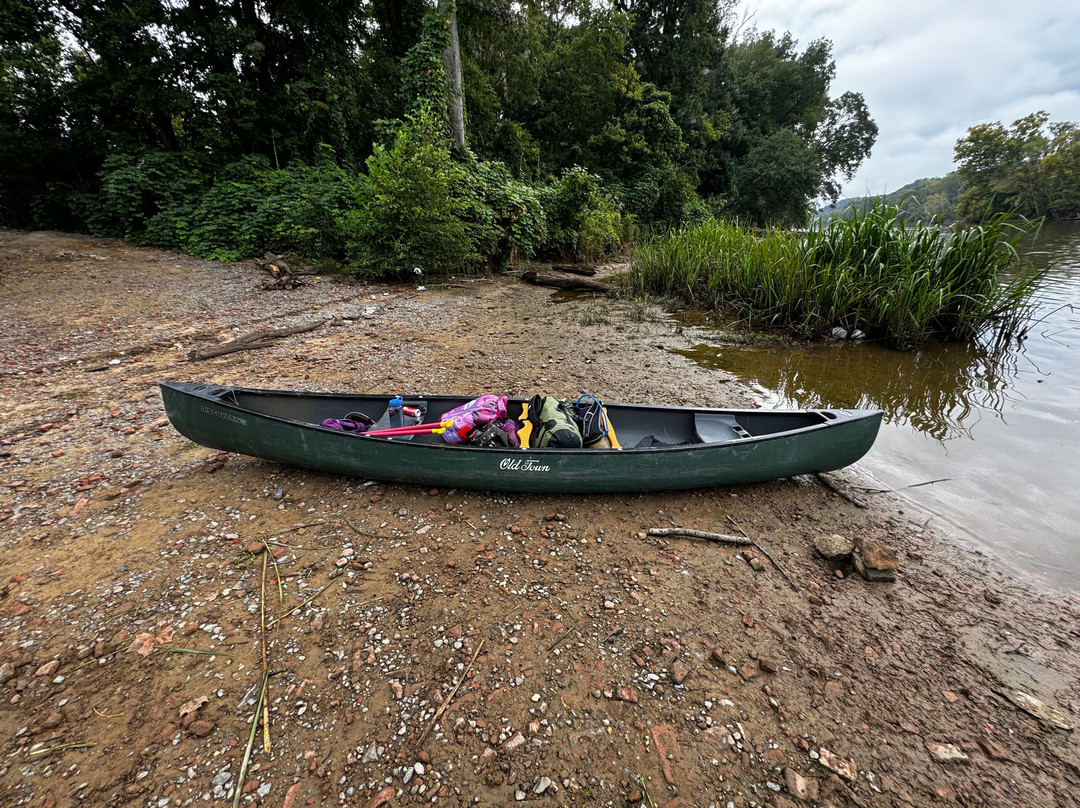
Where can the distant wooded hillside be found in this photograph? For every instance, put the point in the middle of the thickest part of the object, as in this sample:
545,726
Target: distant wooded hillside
1031,168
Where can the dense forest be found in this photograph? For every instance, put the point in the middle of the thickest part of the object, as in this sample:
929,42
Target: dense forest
1031,169
388,136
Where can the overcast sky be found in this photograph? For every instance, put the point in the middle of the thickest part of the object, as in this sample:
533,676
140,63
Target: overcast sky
929,70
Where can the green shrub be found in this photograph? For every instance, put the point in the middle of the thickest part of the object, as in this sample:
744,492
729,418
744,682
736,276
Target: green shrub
507,211
237,216
407,216
581,221
138,188
311,219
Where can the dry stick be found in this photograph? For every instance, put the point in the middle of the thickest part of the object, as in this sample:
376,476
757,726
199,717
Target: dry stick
251,740
700,534
575,269
265,663
177,649
298,606
367,532
449,698
765,553
858,503
903,487
277,575
61,747
564,635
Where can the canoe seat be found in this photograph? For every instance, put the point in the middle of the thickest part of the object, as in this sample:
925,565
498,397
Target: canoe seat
718,428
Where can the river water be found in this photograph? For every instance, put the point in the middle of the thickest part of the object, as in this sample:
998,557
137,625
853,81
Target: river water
1000,431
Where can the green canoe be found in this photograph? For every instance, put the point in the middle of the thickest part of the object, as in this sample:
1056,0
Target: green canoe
719,447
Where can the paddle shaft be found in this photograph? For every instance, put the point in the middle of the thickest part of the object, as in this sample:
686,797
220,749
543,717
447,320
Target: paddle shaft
416,429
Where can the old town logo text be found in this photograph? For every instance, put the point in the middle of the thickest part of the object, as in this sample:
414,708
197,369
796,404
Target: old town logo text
522,464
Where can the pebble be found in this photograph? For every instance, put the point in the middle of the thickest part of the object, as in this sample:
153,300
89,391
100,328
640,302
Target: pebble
946,752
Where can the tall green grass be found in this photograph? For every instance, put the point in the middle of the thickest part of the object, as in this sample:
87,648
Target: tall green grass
898,282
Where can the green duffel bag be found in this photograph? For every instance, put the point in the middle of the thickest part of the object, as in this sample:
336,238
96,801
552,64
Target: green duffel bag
553,425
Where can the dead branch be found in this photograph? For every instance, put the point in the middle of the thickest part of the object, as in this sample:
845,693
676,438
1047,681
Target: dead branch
278,267
570,284
249,342
836,489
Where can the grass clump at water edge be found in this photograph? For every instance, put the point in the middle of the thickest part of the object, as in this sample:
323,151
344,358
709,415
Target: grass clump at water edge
898,282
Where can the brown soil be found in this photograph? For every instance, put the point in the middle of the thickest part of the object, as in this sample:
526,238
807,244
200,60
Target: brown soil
439,646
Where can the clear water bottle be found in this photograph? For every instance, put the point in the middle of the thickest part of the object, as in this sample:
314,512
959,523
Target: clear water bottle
397,416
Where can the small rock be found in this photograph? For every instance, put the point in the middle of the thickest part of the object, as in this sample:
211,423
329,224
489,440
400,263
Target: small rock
768,664
799,786
992,597
514,742
200,728
946,752
53,720
993,750
679,671
833,546
542,785
384,797
835,764
49,668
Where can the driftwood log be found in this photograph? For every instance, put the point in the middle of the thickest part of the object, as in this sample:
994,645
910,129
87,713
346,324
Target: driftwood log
559,282
249,342
278,267
575,269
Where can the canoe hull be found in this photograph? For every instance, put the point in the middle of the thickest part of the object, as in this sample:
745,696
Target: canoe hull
208,416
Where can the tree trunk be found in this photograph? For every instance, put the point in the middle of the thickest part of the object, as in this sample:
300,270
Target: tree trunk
452,65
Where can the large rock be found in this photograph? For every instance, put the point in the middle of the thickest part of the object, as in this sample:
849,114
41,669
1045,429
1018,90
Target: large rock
833,546
875,562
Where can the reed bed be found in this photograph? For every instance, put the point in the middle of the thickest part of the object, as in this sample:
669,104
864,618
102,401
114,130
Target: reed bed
899,282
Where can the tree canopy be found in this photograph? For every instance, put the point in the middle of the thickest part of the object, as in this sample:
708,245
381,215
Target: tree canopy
655,99
1031,167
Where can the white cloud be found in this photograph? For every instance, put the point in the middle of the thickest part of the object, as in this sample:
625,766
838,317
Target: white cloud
930,70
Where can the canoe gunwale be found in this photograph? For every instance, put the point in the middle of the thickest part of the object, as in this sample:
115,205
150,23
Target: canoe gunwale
830,421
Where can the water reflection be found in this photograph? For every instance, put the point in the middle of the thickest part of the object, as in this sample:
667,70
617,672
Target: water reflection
940,390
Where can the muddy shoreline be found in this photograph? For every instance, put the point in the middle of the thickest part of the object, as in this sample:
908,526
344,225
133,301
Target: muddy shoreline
440,646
